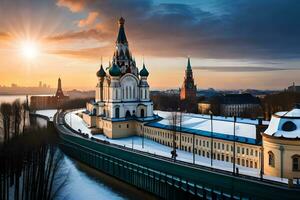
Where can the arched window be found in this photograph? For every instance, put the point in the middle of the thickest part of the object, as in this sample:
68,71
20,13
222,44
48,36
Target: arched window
296,162
128,114
117,112
271,159
289,126
129,92
94,111
134,92
142,113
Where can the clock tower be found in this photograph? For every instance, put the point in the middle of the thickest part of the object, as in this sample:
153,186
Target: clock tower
188,90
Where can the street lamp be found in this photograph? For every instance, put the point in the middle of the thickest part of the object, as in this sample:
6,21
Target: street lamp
143,136
193,148
234,121
211,138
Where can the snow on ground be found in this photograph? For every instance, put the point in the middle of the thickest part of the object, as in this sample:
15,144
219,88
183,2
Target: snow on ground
47,113
76,122
220,124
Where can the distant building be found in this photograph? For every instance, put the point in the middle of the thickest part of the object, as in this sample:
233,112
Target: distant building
293,88
188,90
49,102
204,107
239,105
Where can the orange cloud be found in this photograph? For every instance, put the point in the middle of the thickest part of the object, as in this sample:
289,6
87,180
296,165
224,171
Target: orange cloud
73,5
4,36
89,53
89,20
86,34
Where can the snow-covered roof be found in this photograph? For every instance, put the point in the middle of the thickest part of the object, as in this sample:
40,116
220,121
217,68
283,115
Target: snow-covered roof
223,128
292,113
285,124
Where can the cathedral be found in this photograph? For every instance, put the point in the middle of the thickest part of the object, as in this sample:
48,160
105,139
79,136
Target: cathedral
122,94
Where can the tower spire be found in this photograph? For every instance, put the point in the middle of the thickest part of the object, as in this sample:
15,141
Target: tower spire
121,35
59,92
189,67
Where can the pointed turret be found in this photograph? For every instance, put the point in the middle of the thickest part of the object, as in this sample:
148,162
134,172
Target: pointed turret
144,71
189,67
122,36
59,92
101,72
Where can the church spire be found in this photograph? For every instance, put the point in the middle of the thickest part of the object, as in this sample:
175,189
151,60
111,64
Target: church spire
59,92
122,36
189,67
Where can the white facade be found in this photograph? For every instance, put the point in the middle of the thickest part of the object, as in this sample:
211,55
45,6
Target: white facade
122,93
121,97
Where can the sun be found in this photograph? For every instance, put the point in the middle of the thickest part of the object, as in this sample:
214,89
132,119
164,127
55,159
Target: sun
29,50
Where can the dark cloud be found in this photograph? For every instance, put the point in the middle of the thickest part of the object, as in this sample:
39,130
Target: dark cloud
243,69
232,29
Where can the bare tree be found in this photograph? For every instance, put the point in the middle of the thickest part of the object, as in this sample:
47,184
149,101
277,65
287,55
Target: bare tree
17,116
31,166
175,125
6,112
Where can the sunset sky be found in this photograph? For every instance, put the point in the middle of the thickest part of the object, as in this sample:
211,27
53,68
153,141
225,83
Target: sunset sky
232,44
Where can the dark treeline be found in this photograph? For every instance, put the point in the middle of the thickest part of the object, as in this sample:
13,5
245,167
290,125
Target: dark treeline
30,166
13,119
29,157
165,101
172,102
282,101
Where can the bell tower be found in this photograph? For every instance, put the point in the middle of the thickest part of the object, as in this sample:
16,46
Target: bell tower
188,90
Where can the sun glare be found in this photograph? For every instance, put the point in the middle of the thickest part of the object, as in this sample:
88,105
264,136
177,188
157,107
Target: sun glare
29,50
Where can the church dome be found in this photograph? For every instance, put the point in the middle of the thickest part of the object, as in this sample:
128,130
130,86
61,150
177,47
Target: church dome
101,72
144,71
285,124
115,70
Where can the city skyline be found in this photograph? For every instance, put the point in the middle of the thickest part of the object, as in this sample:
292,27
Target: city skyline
226,42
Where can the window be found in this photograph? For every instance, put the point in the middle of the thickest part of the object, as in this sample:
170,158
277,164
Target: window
117,112
238,149
296,162
142,113
271,159
289,126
